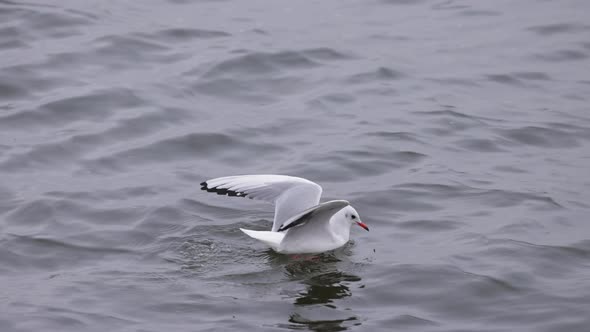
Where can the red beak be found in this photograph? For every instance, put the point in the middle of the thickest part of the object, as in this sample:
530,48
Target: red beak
363,225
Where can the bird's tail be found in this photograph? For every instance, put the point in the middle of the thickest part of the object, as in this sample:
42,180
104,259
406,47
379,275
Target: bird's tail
271,239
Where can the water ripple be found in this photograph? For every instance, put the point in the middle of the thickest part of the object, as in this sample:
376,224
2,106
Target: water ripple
559,28
222,146
458,130
89,107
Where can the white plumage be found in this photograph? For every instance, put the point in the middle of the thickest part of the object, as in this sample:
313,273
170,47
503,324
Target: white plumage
301,224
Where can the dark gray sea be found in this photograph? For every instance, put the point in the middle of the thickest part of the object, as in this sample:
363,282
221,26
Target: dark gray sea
460,131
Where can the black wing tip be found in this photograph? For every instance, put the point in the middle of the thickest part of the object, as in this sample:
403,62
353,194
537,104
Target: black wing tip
222,191
297,222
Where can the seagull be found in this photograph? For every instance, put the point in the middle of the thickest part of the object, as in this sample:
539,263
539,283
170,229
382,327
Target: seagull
301,224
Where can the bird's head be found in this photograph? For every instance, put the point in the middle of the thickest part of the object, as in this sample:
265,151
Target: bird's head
353,217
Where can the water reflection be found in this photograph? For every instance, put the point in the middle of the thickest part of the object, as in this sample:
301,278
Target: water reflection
316,307
325,288
318,325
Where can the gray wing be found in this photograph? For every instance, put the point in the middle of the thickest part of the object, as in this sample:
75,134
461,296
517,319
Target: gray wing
321,212
290,194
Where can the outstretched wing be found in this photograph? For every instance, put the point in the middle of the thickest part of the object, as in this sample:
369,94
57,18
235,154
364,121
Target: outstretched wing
321,212
290,194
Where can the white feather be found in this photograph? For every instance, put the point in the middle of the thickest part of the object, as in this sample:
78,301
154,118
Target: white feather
290,194
301,224
271,239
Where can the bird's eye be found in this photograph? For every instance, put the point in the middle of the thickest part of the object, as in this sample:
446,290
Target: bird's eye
353,216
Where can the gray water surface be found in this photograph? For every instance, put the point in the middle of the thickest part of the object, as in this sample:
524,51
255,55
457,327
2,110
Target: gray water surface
460,131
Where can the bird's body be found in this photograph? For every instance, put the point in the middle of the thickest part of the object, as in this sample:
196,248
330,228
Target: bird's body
301,224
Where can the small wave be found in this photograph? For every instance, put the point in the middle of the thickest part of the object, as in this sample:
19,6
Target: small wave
12,38
48,254
542,260
504,79
479,13
28,80
518,78
399,136
430,225
261,76
487,197
398,200
455,81
402,2
559,28
350,163
562,55
107,195
47,23
409,321
450,113
93,106
480,144
189,146
380,74
542,137
185,34
68,151
265,90
260,64
118,51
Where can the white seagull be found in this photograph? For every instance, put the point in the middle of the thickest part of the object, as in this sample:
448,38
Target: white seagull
301,224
